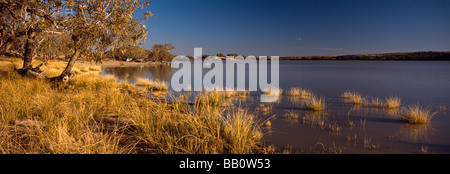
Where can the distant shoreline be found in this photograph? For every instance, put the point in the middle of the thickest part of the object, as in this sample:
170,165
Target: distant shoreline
115,63
407,56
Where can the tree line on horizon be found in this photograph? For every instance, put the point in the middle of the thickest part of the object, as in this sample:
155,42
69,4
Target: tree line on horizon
424,55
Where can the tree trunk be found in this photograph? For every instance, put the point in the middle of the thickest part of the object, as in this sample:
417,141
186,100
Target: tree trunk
30,47
72,61
66,75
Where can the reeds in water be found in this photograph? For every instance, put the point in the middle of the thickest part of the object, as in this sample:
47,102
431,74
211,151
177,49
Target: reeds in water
316,104
416,114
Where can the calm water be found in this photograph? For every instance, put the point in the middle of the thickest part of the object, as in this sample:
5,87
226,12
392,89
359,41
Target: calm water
373,131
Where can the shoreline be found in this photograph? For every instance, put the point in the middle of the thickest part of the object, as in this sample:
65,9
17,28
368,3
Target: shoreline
115,63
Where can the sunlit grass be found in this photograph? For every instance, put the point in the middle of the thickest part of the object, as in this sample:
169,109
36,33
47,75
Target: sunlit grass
300,92
52,68
291,114
39,118
316,104
229,93
393,102
263,108
152,85
353,97
94,114
375,103
241,131
95,68
210,102
294,92
274,91
305,94
416,114
244,94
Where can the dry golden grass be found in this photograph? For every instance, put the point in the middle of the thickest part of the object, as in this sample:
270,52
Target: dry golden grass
152,85
291,114
300,92
353,97
58,121
244,94
316,104
144,82
305,94
393,102
416,114
96,115
229,93
294,92
375,103
263,108
274,92
95,68
241,131
53,68
52,72
209,102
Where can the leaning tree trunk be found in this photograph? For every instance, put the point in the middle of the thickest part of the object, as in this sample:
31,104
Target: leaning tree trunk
66,74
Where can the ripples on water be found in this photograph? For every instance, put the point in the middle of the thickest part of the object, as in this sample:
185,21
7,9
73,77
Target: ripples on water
354,129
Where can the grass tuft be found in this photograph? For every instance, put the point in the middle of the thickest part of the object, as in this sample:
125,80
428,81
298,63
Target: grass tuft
316,104
393,102
417,115
294,92
291,114
375,103
152,85
353,97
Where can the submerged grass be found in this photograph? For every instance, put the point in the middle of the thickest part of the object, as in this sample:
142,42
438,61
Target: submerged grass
96,115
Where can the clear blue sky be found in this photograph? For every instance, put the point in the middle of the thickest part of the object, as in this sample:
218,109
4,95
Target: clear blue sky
298,28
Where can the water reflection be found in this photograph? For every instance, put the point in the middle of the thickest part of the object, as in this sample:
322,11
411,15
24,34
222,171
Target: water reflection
393,113
315,119
154,72
331,79
415,133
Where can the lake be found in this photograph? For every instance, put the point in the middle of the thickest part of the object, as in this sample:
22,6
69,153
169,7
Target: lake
360,129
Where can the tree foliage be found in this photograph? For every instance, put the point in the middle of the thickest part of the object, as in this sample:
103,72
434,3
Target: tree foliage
91,27
161,53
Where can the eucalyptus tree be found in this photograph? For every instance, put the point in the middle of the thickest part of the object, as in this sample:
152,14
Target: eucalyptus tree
161,52
93,26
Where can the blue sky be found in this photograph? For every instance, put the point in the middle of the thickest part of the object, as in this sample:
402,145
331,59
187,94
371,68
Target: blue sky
299,28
